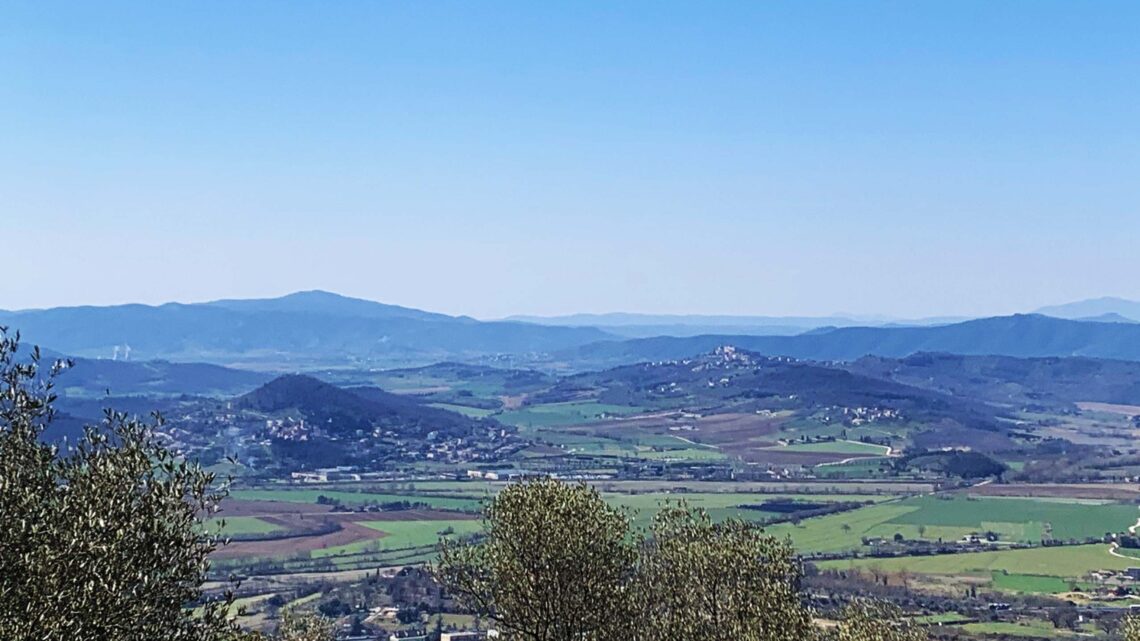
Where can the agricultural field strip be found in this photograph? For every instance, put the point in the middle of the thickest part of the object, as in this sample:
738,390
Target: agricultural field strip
812,535
853,486
1066,562
307,495
239,525
398,535
930,517
839,447
641,501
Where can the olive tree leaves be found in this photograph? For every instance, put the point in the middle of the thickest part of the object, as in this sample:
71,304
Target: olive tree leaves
557,563
103,539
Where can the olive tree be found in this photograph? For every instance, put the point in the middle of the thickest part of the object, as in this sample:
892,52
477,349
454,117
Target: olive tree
295,627
105,539
554,564
706,580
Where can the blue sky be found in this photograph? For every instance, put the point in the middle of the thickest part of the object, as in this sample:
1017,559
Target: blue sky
903,158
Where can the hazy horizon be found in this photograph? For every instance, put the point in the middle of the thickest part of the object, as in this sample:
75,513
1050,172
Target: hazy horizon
904,160
870,317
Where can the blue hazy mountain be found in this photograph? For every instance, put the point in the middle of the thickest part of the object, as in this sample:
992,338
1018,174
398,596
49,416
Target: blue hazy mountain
631,325
295,331
1094,308
90,377
1023,335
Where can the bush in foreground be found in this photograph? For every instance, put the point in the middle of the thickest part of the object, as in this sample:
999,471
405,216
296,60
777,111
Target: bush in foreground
557,563
105,539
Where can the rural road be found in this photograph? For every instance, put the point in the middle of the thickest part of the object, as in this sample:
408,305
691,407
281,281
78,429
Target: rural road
889,453
682,438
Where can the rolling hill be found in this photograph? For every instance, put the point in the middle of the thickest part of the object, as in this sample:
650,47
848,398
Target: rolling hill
348,410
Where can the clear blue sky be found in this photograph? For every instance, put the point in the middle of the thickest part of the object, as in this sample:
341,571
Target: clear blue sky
490,158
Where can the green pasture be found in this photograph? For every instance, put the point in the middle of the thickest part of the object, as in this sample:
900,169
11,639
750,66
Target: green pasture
933,518
399,535
1068,520
1032,583
631,444
1070,561
561,414
861,468
1028,628
238,525
473,412
838,447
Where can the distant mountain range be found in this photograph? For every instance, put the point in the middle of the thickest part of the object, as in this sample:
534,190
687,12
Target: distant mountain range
1107,309
91,377
301,330
1096,308
1024,336
307,331
649,325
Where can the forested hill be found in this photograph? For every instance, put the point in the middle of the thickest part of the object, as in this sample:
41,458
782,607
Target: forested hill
1020,336
346,410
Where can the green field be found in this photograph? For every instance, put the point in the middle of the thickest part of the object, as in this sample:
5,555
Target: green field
1071,561
238,525
836,488
1013,519
942,618
838,447
473,412
861,468
586,443
399,535
720,505
306,495
629,444
1068,520
1032,583
560,414
1031,629
827,533
682,454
